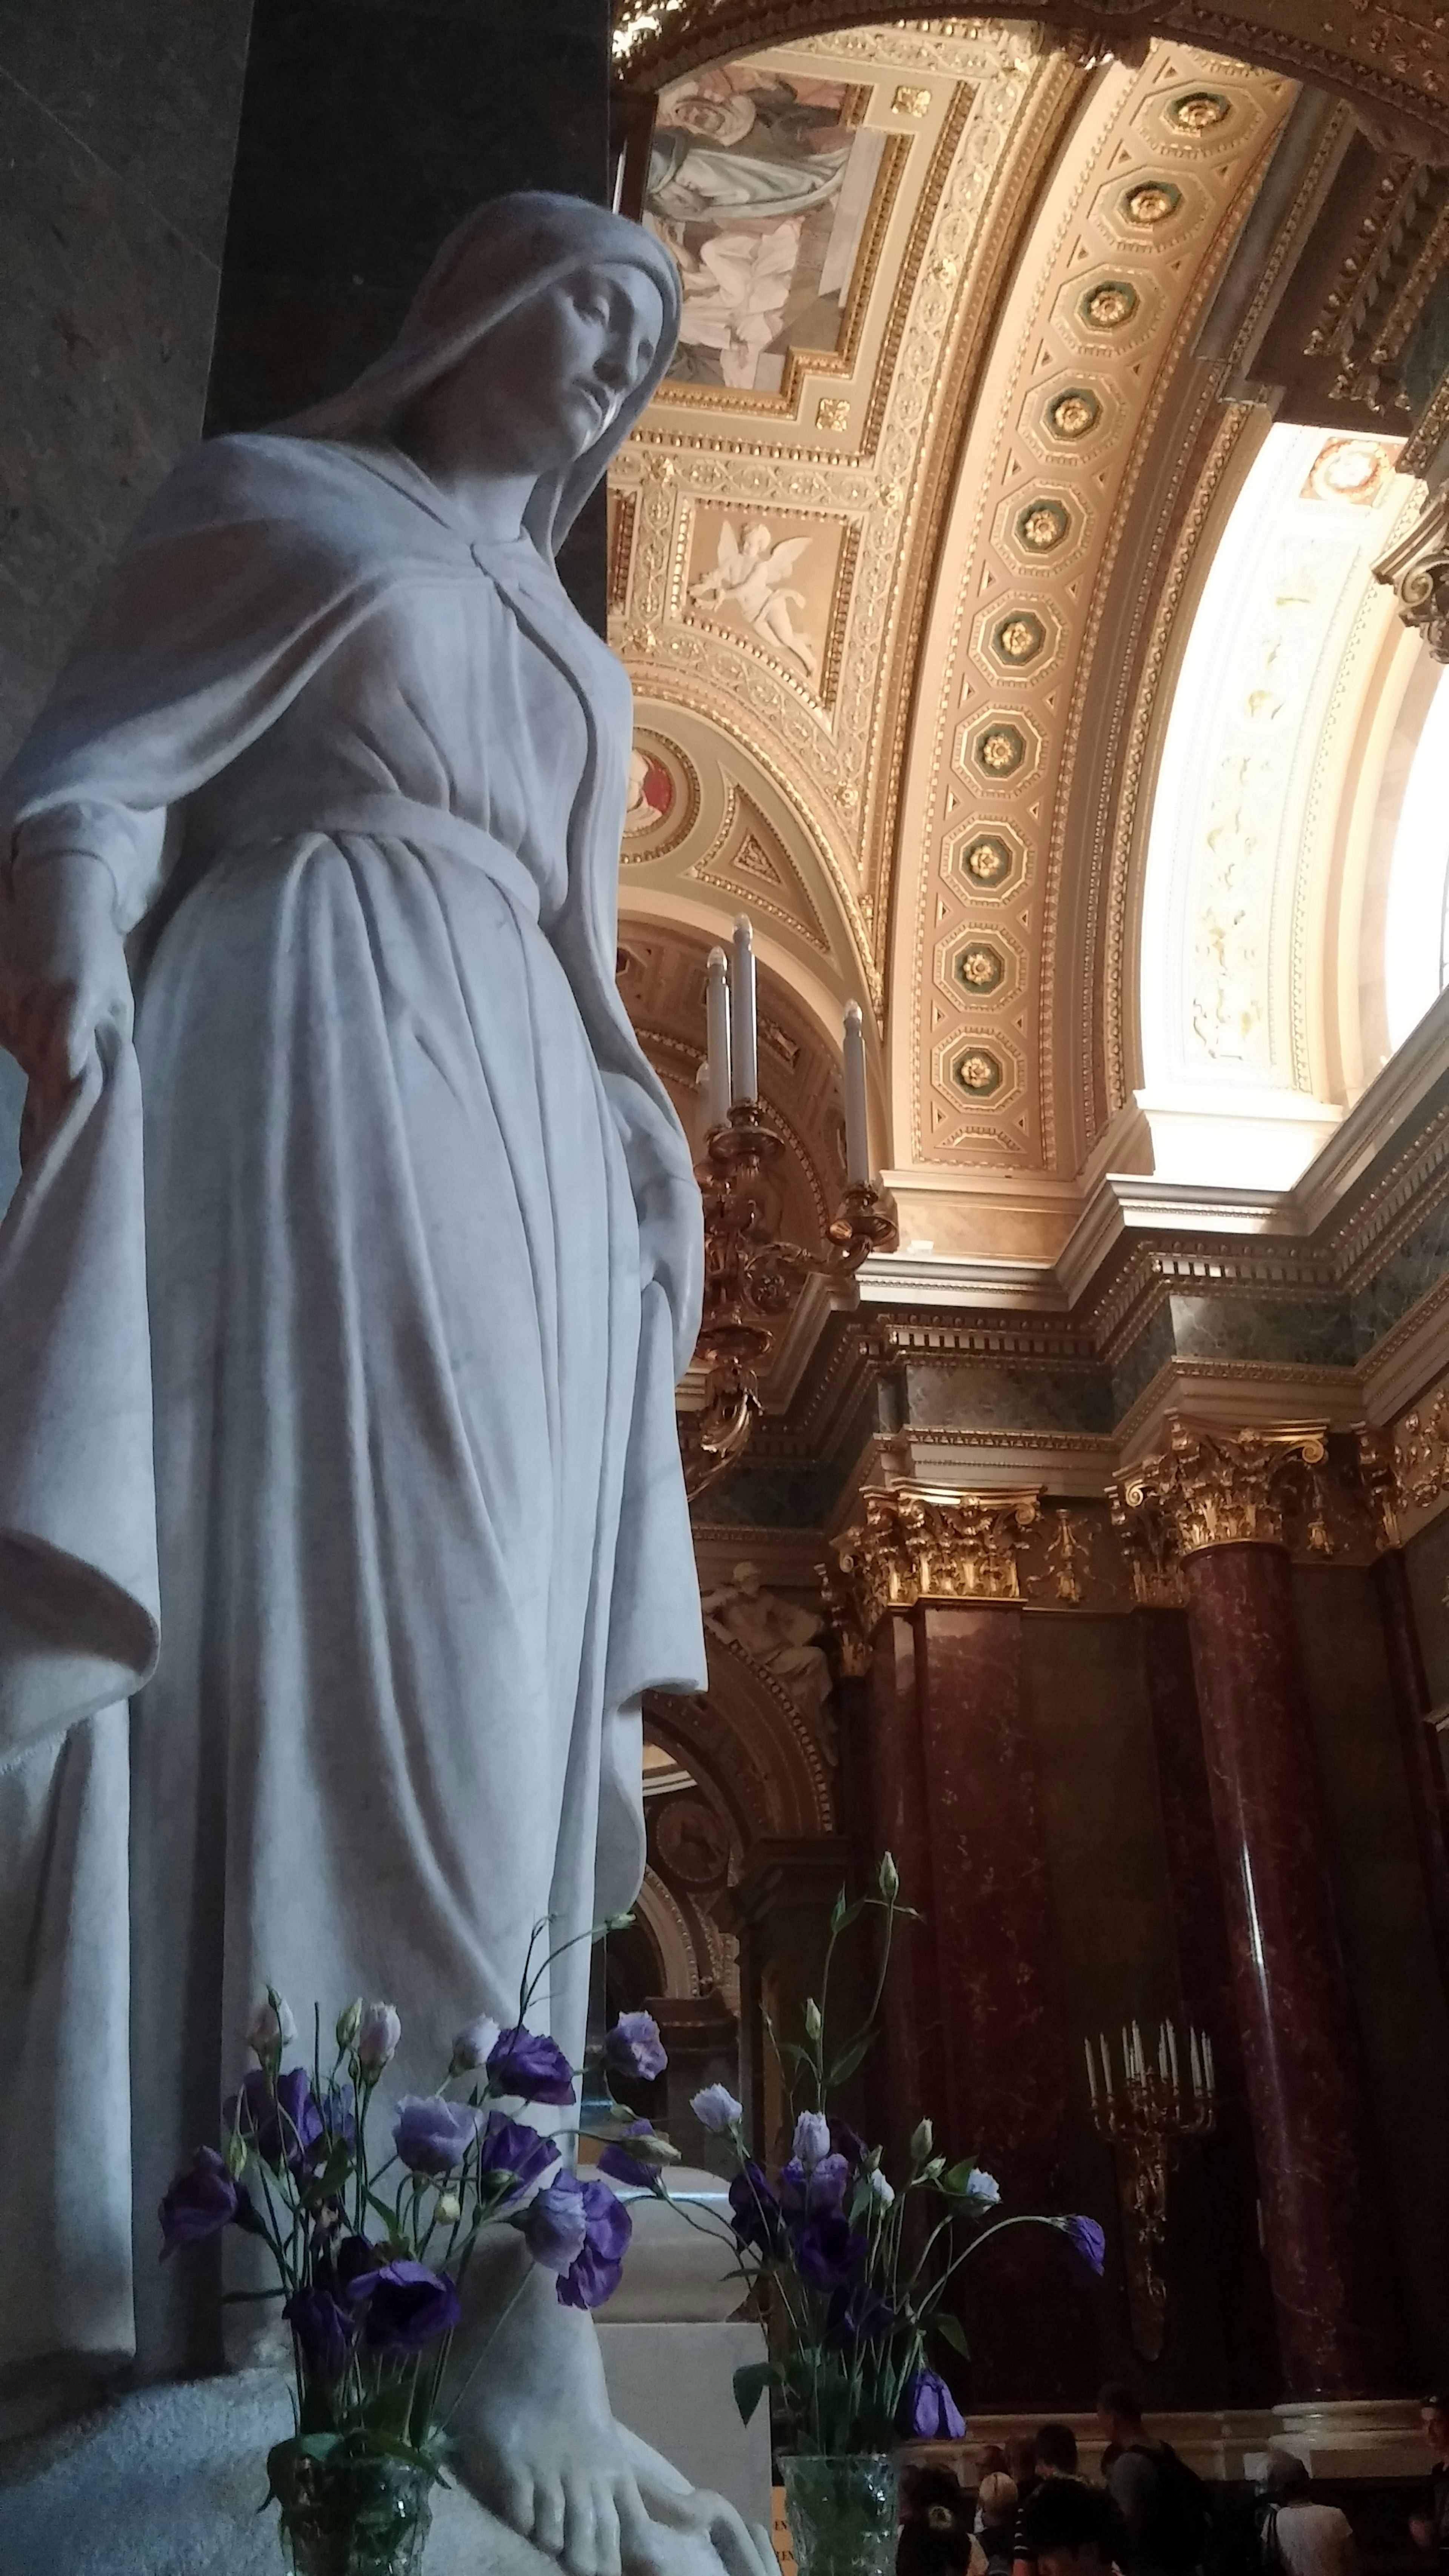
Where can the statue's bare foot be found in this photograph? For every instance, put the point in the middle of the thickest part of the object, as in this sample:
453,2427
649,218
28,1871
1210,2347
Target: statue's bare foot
537,2442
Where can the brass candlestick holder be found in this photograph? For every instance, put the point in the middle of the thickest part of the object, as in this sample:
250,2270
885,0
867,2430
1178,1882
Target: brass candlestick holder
1147,2117
750,1276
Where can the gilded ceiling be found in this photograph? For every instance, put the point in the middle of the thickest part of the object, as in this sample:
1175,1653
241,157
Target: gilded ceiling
941,290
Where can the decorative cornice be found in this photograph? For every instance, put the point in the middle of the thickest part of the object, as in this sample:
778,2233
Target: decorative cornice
1211,1488
918,1543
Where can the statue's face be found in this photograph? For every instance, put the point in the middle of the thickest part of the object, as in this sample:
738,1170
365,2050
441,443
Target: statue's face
543,386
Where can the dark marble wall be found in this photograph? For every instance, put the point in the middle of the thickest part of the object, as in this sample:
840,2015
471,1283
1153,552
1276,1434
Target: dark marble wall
368,129
1386,1932
117,125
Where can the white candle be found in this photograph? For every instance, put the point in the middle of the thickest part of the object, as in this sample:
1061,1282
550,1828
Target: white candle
857,1138
1207,2061
717,1006
1162,2052
1171,2052
746,1082
1140,2060
1091,2071
1194,2063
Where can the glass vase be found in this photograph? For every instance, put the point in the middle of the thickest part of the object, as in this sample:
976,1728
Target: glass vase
843,2512
350,2517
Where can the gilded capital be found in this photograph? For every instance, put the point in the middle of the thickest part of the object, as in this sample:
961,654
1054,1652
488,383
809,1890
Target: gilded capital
1212,1488
918,1543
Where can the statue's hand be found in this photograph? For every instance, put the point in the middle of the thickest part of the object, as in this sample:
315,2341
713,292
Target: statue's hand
63,977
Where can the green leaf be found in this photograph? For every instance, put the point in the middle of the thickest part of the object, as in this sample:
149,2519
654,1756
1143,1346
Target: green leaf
959,2176
951,2331
792,2049
850,2058
751,2382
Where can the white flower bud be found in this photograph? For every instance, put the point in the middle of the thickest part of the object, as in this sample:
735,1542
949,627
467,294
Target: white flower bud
349,2023
880,2189
271,2027
377,2037
474,2045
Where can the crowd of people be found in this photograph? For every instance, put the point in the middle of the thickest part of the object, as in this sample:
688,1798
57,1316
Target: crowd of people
1035,2512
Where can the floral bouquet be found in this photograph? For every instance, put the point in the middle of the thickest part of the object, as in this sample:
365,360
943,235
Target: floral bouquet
372,2247
850,2270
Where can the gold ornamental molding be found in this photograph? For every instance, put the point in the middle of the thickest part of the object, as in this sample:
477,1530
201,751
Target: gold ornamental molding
1396,66
1211,1488
924,1543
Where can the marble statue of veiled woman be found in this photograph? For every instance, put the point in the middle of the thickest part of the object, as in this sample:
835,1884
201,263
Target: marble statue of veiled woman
334,781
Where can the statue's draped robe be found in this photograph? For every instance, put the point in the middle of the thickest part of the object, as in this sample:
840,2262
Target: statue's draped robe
421,1253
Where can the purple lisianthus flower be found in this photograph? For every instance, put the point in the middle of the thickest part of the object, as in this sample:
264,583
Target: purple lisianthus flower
338,2108
811,2192
530,2066
626,2166
282,2122
859,2314
757,2219
929,2412
1088,2248
556,2226
594,2274
511,2147
433,2136
717,2110
812,2139
354,2256
324,2331
828,2252
200,2203
634,2053
405,2306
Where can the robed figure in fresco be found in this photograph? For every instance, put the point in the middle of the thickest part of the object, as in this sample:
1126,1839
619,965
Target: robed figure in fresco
349,1697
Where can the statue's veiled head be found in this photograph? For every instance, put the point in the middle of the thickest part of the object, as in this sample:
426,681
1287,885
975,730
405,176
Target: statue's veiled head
538,335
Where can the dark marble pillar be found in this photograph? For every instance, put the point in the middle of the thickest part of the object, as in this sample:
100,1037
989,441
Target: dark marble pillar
1295,2020
906,2074
1004,2054
1235,2273
1428,1790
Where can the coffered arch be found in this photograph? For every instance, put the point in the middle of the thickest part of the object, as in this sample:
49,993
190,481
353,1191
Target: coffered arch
986,991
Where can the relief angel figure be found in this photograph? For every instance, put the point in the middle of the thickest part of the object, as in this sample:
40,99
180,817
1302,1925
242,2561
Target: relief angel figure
747,575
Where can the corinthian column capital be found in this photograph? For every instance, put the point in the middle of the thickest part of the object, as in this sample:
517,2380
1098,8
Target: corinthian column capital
1212,1488
924,1543
1418,569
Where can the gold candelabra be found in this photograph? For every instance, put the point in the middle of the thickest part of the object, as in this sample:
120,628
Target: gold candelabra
1147,2117
750,1277
750,1274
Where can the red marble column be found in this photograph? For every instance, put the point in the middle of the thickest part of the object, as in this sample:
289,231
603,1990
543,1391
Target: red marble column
1235,2267
1295,2019
1428,1791
1004,2052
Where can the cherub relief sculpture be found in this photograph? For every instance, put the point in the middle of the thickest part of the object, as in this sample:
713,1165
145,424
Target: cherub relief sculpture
748,576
